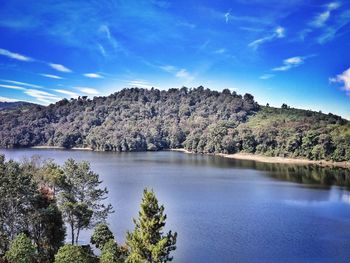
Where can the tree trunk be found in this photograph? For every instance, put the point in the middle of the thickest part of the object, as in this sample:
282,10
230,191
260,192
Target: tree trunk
77,238
72,232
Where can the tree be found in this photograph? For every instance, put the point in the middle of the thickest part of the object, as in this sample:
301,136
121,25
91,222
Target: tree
101,235
81,198
111,253
72,254
48,231
17,192
21,250
147,243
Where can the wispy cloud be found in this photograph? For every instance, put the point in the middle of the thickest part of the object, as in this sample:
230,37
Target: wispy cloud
12,87
168,68
86,90
5,99
93,75
220,51
324,25
51,76
290,63
21,83
60,68
321,19
266,76
184,74
42,96
67,92
227,16
141,84
13,55
343,78
181,73
279,32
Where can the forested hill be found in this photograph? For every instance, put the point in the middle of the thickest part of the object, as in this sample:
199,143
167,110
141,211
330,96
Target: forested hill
21,105
199,120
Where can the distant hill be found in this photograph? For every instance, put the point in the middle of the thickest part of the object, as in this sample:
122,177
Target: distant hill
199,120
15,105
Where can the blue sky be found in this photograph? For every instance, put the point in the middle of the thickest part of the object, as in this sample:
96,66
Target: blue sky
294,52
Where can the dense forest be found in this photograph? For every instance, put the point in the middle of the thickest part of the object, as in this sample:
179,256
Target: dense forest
41,201
199,120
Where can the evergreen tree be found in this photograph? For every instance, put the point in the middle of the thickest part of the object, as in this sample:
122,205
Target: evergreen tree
148,243
81,198
21,250
111,253
72,254
101,235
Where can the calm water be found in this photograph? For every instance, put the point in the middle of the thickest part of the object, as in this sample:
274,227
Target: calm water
226,210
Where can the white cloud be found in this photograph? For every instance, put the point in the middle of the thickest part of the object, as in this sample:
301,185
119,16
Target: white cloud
227,16
321,19
42,96
21,83
182,73
169,68
290,63
343,78
220,51
267,76
59,67
4,99
16,56
86,90
141,84
93,75
12,87
51,76
67,92
279,32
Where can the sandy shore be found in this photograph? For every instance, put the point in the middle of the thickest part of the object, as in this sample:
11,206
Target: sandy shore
180,150
280,160
283,160
240,156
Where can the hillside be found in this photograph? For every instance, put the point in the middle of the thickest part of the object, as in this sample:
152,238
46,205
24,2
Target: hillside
199,120
22,105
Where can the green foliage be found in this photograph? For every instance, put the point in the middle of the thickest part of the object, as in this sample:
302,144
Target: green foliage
128,120
81,198
72,254
48,231
21,250
147,243
111,253
101,235
17,192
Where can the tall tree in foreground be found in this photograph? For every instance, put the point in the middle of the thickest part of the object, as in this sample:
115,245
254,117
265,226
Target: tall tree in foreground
81,198
21,250
72,254
148,243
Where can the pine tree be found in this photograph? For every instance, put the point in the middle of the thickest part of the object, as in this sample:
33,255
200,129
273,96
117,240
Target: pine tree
148,243
101,235
21,250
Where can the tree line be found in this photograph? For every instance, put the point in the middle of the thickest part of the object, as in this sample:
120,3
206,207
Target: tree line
199,120
41,200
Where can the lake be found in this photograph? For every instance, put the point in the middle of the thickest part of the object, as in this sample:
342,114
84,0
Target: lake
227,210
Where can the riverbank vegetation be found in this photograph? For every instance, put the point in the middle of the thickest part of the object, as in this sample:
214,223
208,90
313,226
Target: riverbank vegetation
199,120
40,198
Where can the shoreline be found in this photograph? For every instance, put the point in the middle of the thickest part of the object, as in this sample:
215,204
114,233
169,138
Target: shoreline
60,148
274,159
236,156
284,160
